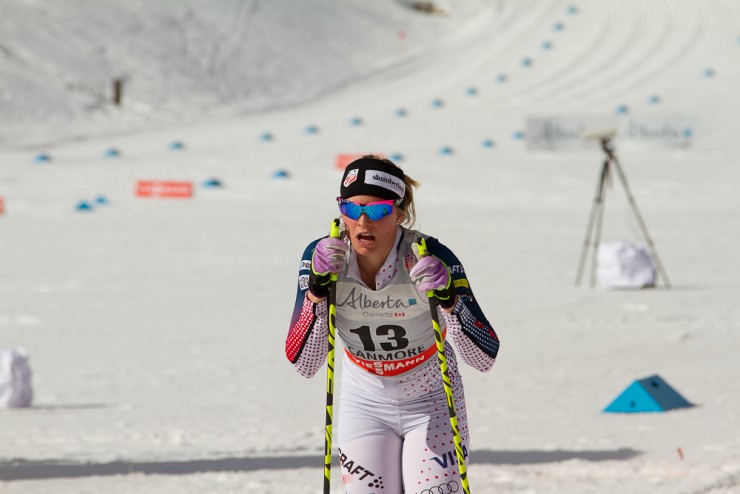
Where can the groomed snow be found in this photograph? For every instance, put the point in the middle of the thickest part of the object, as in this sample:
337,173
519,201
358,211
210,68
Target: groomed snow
155,327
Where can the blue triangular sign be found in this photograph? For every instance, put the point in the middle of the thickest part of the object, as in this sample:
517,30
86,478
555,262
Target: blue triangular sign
83,206
651,394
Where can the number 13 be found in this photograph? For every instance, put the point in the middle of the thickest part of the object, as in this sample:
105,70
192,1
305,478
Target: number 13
395,336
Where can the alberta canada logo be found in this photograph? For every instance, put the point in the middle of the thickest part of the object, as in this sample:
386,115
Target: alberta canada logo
359,300
351,177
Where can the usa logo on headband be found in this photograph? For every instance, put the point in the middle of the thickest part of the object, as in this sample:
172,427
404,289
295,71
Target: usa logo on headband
351,177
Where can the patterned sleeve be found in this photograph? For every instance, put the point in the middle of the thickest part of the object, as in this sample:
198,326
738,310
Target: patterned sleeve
473,335
306,345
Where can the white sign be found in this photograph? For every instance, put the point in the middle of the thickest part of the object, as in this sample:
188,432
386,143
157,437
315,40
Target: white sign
15,379
567,133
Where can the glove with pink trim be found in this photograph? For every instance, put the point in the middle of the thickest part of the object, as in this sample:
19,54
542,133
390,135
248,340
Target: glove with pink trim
431,275
329,257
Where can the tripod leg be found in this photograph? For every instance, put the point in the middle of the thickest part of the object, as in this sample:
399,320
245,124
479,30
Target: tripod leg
599,223
595,210
641,222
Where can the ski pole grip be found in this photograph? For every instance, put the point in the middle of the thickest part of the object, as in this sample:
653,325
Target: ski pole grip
334,233
422,247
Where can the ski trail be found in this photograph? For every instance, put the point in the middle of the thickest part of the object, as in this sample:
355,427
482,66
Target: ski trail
655,61
603,71
607,55
725,484
481,49
595,67
227,49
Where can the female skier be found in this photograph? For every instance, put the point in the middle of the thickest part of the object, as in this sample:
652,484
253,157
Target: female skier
393,426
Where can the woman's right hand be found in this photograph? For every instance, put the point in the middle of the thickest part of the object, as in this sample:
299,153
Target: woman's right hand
329,258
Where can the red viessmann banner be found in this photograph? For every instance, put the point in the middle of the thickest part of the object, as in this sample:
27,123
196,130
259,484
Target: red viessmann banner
164,188
344,159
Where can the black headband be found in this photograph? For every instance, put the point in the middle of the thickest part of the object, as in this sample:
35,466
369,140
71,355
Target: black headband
370,176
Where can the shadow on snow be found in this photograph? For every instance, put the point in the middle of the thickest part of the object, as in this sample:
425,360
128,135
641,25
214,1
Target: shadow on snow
38,470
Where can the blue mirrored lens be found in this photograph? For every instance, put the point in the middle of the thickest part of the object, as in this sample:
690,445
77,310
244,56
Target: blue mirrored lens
377,211
350,209
373,211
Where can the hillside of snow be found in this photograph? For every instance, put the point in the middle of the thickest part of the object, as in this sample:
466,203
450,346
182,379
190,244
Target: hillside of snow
185,60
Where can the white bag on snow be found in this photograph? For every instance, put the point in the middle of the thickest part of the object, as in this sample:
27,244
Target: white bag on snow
15,379
622,264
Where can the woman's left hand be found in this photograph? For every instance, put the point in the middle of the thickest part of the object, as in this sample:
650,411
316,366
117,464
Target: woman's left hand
431,276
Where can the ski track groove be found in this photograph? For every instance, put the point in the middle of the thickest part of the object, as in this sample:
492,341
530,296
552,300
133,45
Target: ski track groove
560,79
636,73
516,93
550,84
607,67
608,71
510,100
567,93
722,485
653,63
493,42
234,40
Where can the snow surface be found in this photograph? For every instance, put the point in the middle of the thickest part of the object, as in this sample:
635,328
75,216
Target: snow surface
155,327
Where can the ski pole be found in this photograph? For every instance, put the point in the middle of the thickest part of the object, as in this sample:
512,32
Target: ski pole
446,379
334,233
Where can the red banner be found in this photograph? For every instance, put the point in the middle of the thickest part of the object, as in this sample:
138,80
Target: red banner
345,159
394,367
2,206
162,188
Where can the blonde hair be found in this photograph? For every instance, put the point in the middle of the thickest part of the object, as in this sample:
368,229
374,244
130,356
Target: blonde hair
406,204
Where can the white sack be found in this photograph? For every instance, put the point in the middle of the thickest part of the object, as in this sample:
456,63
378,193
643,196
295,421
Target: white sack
621,264
15,379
